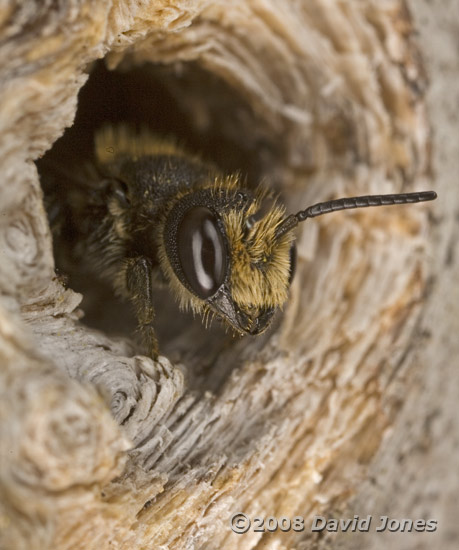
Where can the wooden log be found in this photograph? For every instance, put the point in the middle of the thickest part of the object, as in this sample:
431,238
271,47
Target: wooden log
104,448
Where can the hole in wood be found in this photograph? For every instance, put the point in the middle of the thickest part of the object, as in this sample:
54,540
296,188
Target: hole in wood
205,116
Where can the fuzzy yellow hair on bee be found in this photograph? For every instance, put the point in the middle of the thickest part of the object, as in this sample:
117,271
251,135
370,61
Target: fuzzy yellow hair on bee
114,142
261,261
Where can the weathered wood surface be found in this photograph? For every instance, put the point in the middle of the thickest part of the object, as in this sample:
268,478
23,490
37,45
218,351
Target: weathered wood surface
357,382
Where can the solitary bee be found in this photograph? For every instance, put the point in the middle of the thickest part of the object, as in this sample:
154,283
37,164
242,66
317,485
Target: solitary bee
148,210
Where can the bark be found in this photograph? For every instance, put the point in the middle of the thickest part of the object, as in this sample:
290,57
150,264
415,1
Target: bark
347,406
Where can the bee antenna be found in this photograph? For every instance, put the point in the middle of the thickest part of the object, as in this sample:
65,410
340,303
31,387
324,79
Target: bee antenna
353,202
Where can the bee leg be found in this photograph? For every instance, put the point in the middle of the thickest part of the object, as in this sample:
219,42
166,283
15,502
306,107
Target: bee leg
138,273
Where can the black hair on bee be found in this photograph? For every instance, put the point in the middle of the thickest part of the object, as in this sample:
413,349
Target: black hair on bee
149,210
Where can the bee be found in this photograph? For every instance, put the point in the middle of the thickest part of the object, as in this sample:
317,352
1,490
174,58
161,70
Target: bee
147,211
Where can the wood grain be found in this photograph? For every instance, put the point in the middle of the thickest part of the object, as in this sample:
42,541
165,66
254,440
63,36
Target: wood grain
103,448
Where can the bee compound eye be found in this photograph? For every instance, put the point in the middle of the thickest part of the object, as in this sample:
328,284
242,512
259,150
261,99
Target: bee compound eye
201,251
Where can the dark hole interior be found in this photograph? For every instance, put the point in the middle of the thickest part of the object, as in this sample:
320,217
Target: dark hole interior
188,103
209,118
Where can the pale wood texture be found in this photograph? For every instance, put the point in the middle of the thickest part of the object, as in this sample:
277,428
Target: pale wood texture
101,448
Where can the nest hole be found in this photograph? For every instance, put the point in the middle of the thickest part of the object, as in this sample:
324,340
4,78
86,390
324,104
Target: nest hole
207,117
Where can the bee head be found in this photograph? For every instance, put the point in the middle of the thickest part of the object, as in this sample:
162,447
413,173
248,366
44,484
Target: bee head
222,254
229,252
